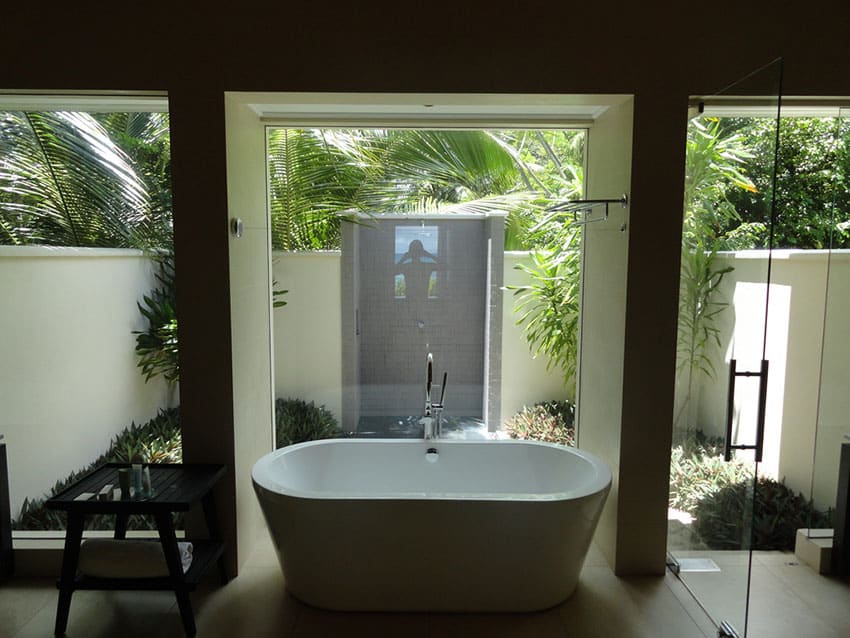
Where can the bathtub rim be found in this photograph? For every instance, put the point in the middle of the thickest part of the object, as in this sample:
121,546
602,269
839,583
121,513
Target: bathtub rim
601,482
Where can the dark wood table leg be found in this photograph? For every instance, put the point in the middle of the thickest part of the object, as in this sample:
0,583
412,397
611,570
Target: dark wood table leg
70,558
175,570
121,526
211,517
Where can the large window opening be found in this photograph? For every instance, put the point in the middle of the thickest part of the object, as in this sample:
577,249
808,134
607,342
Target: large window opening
396,243
88,365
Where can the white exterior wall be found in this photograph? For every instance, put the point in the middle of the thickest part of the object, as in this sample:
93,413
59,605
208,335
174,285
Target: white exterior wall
68,375
525,380
308,342
308,329
69,380
797,336
251,322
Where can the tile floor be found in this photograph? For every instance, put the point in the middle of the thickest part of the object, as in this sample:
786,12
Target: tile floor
788,599
256,604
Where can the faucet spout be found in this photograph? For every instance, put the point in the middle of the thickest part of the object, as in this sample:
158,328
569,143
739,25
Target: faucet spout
433,420
429,377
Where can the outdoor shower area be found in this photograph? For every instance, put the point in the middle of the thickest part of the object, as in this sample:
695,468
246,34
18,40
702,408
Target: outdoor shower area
417,286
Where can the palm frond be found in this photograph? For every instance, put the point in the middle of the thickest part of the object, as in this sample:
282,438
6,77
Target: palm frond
65,182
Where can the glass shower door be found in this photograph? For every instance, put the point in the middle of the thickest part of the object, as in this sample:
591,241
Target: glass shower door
831,450
723,404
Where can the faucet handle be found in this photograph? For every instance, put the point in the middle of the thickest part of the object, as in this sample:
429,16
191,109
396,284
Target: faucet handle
443,389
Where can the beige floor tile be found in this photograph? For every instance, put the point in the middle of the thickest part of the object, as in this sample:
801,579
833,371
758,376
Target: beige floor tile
318,623
605,606
595,557
262,553
723,593
826,600
600,607
256,599
21,600
773,558
546,624
660,608
97,614
691,606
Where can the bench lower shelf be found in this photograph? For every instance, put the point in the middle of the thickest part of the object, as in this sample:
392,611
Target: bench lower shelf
204,555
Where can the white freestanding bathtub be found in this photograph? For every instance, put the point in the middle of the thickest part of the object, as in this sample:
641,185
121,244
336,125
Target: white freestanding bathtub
384,525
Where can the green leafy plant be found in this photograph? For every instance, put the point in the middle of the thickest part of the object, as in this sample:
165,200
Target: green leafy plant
297,421
157,346
157,441
698,474
723,518
550,421
714,166
548,306
65,182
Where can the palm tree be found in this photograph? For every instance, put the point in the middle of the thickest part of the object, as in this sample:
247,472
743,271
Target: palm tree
319,176
64,181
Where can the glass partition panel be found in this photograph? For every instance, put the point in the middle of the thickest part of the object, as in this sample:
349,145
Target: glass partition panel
725,413
832,435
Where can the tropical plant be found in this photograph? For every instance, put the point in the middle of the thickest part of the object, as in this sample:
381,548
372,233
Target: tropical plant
548,306
319,176
311,180
64,181
810,186
157,441
146,139
297,421
552,163
697,472
158,345
550,421
714,166
735,517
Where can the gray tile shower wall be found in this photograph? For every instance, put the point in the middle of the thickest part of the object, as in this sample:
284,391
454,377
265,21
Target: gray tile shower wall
413,286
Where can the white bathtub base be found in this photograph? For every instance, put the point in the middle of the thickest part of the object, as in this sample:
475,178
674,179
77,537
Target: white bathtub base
431,554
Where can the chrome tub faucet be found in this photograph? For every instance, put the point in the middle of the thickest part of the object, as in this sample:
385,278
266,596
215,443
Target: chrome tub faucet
432,422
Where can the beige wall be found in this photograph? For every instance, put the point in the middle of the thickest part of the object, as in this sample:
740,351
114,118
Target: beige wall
196,54
308,330
805,411
251,324
68,375
603,306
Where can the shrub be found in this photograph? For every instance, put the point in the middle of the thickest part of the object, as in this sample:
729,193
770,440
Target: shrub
157,346
698,471
723,518
157,441
550,421
297,421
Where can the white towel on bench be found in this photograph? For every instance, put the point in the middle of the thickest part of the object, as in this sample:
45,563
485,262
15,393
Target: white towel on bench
128,558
